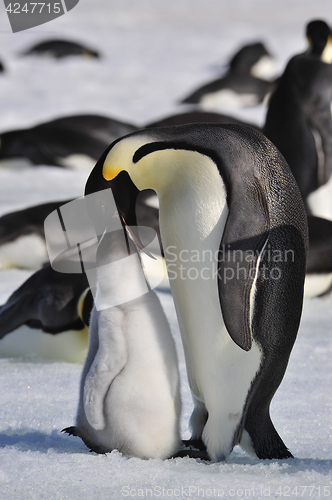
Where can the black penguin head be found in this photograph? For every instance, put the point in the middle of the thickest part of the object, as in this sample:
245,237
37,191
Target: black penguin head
243,61
318,33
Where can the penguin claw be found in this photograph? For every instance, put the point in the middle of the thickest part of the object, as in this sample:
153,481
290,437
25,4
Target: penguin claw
203,455
194,443
192,448
72,431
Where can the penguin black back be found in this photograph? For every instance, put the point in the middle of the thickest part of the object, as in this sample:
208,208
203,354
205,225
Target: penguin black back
48,301
60,49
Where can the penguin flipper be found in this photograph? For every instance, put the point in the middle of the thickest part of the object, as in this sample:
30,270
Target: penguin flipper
239,258
110,359
16,312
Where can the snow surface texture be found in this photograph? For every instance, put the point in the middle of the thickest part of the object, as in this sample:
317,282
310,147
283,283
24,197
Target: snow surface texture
155,52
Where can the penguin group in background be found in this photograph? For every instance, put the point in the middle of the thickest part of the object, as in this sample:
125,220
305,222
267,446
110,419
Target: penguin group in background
130,386
299,120
242,82
60,49
73,141
48,317
219,190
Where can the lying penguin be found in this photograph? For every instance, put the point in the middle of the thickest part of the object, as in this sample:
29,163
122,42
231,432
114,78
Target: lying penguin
242,84
130,393
75,141
47,317
60,48
22,239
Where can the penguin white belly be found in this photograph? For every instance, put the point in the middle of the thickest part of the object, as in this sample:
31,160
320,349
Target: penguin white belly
78,162
320,201
317,284
228,97
265,68
70,346
26,251
219,372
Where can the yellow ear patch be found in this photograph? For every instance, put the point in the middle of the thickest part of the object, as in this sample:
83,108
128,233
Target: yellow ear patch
80,304
120,157
109,171
327,52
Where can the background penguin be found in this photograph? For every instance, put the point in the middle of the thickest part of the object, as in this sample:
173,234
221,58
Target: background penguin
196,116
130,393
2,67
219,189
240,81
299,120
47,317
72,141
60,48
22,237
319,263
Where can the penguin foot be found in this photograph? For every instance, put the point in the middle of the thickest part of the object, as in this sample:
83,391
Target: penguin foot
193,448
194,443
72,431
203,455
266,441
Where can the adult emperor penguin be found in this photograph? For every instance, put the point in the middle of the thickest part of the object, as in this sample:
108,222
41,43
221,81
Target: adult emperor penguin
229,208
130,385
299,120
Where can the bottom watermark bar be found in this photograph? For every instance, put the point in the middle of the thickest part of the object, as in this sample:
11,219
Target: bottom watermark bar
308,491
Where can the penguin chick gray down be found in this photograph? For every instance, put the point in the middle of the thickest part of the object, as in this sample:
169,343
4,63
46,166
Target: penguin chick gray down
130,393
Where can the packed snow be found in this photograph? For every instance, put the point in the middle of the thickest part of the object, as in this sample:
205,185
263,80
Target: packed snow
154,53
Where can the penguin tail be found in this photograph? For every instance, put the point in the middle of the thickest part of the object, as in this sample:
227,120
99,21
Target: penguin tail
265,440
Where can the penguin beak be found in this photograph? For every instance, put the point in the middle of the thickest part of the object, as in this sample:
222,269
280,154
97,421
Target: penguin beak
136,239
125,195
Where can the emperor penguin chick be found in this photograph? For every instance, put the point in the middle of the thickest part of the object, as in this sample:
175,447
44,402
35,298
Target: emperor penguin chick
130,385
